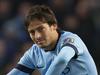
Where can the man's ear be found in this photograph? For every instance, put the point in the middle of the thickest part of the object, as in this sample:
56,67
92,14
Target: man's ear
54,26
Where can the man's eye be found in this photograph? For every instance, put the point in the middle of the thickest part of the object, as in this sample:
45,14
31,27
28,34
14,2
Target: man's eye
40,29
32,32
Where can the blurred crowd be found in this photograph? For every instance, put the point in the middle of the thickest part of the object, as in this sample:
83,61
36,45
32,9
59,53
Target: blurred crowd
78,16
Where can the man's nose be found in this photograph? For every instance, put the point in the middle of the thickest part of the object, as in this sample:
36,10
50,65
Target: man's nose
37,34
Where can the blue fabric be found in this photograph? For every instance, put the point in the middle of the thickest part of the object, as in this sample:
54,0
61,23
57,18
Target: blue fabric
60,61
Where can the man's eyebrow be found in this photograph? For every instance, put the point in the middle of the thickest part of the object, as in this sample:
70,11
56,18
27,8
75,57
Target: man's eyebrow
39,27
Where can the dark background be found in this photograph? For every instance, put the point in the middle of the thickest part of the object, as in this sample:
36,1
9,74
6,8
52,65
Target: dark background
79,16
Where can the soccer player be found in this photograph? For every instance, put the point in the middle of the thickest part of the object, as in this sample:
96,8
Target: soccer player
54,52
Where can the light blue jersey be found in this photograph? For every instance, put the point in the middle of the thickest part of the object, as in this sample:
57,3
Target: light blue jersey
69,57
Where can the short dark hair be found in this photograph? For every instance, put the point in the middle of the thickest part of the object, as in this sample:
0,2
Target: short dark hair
42,13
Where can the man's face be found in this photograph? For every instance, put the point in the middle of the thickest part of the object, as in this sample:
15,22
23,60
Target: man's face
42,34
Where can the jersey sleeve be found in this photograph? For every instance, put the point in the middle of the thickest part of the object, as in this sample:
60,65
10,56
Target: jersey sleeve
27,59
61,61
74,42
25,66
17,72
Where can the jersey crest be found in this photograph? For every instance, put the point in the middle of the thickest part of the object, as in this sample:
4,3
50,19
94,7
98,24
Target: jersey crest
68,40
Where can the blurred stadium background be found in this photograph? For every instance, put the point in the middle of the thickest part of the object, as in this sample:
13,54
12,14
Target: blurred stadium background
79,16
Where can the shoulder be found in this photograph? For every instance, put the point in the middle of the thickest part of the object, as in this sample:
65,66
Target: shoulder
72,40
30,57
68,37
34,49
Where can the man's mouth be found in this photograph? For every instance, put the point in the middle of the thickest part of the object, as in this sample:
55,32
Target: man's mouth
39,41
